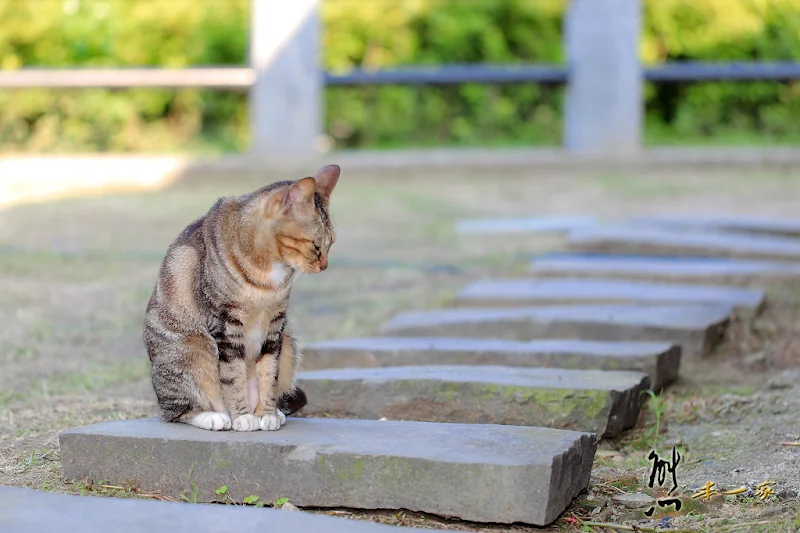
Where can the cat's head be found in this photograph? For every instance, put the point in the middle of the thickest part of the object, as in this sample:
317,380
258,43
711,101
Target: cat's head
302,225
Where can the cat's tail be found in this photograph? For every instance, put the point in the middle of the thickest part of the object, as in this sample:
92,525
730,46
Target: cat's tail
292,402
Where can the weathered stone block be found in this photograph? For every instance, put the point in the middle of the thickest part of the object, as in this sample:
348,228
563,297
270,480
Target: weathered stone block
524,225
698,329
654,241
484,473
660,360
743,224
508,292
35,511
597,401
687,269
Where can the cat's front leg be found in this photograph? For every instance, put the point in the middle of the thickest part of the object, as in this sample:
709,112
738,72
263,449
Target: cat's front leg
233,379
267,409
267,374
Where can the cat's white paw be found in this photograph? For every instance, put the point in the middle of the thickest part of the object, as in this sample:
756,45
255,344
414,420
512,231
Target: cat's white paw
211,421
273,422
245,423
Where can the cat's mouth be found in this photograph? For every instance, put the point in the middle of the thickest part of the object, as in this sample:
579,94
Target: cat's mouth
315,267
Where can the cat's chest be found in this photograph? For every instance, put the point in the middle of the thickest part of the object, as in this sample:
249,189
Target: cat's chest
256,327
262,306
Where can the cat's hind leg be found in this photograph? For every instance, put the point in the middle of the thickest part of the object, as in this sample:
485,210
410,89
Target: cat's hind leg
186,382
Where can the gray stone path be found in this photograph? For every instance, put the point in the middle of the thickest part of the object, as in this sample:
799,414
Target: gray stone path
524,225
522,291
34,511
661,360
598,401
641,240
484,473
759,225
698,329
691,269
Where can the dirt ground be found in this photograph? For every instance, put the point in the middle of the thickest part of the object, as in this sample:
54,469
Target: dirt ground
76,274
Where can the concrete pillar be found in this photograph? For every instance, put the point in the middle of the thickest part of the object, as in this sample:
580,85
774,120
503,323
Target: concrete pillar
604,95
286,107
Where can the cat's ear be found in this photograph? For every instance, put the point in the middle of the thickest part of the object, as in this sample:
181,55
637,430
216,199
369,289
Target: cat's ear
300,193
326,179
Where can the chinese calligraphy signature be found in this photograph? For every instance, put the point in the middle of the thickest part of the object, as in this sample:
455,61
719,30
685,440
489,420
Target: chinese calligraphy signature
661,468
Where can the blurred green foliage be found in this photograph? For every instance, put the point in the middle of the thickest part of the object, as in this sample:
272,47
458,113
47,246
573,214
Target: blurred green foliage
381,33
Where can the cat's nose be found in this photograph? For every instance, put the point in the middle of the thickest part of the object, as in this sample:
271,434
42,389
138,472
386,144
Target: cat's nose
323,263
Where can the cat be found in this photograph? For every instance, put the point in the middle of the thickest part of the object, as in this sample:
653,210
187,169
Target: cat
216,329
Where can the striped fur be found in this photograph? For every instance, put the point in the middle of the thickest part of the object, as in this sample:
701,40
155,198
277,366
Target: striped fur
216,328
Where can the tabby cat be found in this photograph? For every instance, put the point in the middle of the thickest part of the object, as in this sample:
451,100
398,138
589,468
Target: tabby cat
216,328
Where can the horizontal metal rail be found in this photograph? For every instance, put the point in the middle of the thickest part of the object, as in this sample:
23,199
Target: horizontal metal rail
451,74
691,71
213,78
243,77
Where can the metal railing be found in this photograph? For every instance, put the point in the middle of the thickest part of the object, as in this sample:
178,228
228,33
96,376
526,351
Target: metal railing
285,81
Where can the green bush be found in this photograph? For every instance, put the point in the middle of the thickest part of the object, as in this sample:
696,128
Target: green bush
116,33
380,33
722,30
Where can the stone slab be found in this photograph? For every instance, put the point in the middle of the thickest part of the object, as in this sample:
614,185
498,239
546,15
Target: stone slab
34,511
604,402
698,329
660,360
744,224
523,225
655,241
686,269
483,473
522,291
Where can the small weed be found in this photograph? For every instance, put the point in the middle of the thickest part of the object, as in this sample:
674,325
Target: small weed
225,495
195,492
651,437
251,500
280,501
33,459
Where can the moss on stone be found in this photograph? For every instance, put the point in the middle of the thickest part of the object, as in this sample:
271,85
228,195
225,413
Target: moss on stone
342,468
589,404
219,459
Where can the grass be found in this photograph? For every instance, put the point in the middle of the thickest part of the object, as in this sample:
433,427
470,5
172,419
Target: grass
637,187
92,378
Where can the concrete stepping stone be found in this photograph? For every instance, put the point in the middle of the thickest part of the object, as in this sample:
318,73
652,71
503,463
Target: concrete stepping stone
689,269
744,224
604,402
36,511
660,360
655,241
698,329
481,473
524,225
521,291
